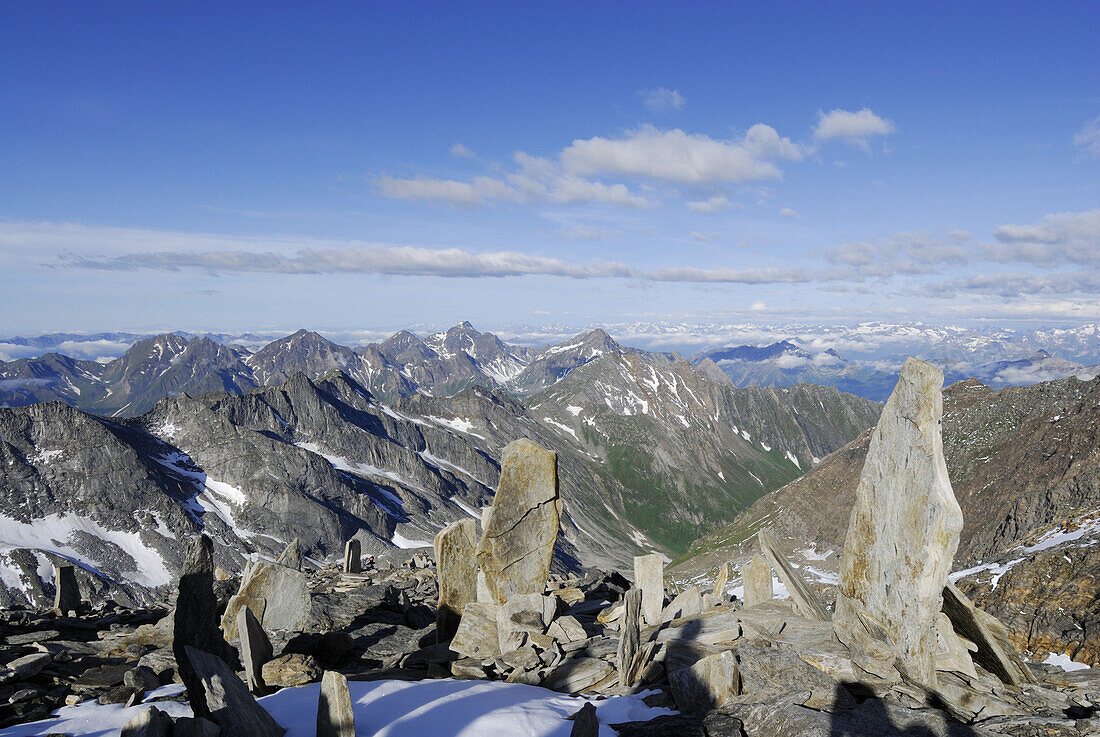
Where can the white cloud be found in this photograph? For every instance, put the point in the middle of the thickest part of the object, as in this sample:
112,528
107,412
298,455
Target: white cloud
704,237
462,152
1088,137
717,203
758,307
851,127
1067,237
661,100
907,252
676,156
788,212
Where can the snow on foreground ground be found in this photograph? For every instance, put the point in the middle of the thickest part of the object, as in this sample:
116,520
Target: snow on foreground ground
433,708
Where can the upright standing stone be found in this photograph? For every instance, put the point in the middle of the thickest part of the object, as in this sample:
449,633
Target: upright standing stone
456,573
276,594
996,653
353,556
518,543
630,637
756,576
805,601
255,650
195,622
903,533
335,715
66,596
721,580
231,705
649,576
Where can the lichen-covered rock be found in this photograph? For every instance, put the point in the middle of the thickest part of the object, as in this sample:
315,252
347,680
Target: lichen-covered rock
902,536
456,569
518,543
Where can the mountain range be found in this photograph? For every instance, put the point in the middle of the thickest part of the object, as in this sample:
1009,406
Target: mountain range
387,443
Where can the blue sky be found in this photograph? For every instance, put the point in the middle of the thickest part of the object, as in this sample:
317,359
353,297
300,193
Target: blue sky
222,166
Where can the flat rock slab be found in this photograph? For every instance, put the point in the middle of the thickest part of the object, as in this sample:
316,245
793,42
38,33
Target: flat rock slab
477,633
335,714
996,653
456,566
575,675
231,705
706,684
756,578
522,526
903,534
803,597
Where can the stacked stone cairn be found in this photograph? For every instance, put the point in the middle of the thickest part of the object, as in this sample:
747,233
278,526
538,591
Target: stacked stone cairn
903,652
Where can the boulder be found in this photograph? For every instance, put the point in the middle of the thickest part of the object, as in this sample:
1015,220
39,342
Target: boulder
649,578
293,669
706,684
585,722
626,656
456,572
255,650
520,615
195,622
756,577
291,557
230,704
575,675
687,603
335,714
353,556
276,594
150,722
721,580
805,601
66,591
518,543
902,535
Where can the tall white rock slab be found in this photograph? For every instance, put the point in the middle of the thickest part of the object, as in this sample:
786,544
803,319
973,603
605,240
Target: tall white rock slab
902,536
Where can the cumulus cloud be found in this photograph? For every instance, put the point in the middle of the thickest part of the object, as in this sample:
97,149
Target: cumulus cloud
788,212
1068,237
717,203
686,158
790,361
1088,138
462,152
661,100
758,307
851,127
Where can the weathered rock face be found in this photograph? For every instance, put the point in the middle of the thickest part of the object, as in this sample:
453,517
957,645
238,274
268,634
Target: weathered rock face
456,569
255,650
67,593
649,576
353,556
277,595
803,597
626,657
518,542
335,715
756,576
903,533
195,623
231,705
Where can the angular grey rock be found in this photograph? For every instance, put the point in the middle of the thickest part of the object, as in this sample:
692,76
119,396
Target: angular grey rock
25,667
290,670
195,727
805,601
230,704
567,629
995,653
630,636
903,533
518,542
277,595
255,650
151,722
705,685
66,596
649,578
291,557
756,577
585,722
767,671
335,714
520,615
456,574
477,632
353,556
195,622
687,603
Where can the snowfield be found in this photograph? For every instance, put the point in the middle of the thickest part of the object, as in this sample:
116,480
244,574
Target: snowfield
432,708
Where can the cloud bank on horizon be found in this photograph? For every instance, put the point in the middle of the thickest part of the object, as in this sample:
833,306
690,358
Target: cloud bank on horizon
744,175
